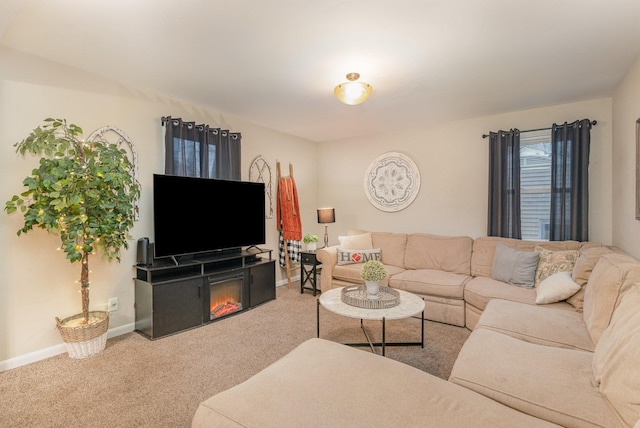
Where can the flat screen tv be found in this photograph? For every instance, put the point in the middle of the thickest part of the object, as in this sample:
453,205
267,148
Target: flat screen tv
198,215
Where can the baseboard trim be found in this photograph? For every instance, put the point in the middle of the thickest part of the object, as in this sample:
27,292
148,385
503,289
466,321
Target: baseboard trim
285,282
52,351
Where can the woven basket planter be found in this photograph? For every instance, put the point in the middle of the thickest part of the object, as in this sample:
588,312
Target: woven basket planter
84,340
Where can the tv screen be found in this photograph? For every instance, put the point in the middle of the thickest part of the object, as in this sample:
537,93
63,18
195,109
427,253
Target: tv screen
196,215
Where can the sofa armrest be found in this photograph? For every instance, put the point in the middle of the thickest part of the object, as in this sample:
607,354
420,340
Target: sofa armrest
328,256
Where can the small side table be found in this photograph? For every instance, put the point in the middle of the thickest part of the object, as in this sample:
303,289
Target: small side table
309,267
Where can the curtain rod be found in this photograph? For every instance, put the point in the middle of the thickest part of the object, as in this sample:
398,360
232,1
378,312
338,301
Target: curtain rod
593,123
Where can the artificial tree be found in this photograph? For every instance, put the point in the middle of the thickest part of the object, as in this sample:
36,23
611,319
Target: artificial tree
83,191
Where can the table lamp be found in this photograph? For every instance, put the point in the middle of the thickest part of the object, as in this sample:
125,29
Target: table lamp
326,216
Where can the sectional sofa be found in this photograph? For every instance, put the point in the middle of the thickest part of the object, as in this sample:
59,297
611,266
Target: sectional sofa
452,273
572,363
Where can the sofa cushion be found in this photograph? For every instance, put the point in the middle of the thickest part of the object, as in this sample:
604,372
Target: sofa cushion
514,267
554,384
587,259
430,282
612,277
392,245
321,383
351,273
447,253
555,288
480,290
615,361
545,325
347,256
484,247
356,242
553,262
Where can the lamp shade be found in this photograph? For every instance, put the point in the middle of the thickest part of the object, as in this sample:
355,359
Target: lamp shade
326,215
353,92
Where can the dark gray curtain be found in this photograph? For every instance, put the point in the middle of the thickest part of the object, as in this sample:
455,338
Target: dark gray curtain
570,145
227,148
200,151
504,184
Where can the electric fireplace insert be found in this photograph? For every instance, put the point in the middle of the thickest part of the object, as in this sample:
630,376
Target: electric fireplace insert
225,295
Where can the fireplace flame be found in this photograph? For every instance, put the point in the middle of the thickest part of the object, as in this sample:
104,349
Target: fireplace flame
225,298
224,305
225,309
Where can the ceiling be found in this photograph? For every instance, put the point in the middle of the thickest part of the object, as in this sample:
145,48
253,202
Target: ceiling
275,62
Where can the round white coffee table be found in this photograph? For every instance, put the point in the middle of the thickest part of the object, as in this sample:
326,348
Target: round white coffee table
410,305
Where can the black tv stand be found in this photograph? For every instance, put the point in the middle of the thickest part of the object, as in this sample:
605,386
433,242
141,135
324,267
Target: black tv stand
175,294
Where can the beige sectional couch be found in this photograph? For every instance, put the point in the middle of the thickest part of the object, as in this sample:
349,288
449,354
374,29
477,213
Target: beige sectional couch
452,273
524,364
326,384
573,369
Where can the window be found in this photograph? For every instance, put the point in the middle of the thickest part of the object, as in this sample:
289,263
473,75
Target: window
532,173
186,154
535,184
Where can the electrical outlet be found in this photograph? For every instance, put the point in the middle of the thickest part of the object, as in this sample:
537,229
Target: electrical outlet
112,305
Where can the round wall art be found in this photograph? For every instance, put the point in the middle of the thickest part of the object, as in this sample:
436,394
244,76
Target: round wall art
392,182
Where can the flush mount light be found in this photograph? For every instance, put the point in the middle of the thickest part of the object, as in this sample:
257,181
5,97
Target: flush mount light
353,92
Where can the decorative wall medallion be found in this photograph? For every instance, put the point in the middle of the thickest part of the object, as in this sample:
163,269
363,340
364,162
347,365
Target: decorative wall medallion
392,182
260,172
111,134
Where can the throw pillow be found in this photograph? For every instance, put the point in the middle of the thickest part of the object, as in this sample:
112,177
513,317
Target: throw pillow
356,242
514,267
555,288
348,256
553,262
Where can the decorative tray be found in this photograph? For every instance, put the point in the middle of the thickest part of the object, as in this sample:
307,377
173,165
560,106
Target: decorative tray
356,295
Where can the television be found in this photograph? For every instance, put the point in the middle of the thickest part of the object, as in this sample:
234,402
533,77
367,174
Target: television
201,215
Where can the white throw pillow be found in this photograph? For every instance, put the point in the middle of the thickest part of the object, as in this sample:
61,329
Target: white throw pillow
555,288
356,242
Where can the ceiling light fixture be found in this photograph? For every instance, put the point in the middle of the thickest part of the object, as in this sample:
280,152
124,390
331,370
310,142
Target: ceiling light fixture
353,92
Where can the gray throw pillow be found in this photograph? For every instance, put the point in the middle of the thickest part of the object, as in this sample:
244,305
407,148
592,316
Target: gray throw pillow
514,267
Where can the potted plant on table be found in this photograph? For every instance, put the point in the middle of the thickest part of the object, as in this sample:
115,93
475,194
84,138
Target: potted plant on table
373,272
85,193
311,241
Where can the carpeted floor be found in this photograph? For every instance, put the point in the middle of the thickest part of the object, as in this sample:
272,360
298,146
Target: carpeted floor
137,382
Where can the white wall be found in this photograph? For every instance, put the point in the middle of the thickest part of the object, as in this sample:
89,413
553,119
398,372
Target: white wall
36,282
626,110
453,162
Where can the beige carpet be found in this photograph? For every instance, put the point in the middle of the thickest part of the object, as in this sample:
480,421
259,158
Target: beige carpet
137,382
